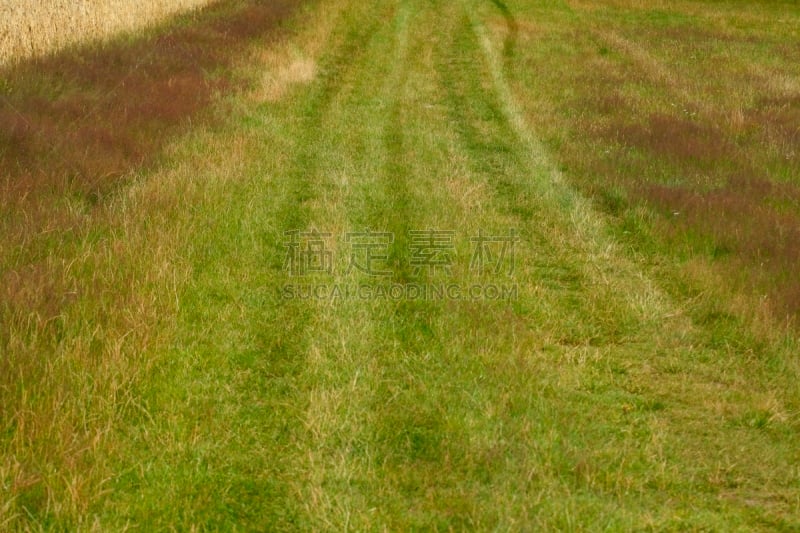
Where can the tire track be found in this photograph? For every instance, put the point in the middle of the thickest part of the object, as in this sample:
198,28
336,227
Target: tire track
547,184
254,383
512,30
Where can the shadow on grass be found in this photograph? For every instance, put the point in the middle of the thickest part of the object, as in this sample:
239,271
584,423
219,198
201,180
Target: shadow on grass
81,120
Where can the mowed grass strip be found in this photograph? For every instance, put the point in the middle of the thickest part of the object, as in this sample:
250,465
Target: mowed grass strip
583,405
225,439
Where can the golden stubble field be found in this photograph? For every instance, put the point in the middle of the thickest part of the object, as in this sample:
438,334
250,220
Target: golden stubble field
31,28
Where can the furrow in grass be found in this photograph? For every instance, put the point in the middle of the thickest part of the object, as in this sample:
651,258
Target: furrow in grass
539,183
338,69
343,365
498,162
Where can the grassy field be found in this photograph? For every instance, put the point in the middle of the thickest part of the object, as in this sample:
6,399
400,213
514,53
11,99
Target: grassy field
605,191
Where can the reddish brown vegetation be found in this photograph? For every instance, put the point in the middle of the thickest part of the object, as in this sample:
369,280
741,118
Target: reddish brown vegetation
678,139
753,237
750,221
73,126
81,120
780,118
723,170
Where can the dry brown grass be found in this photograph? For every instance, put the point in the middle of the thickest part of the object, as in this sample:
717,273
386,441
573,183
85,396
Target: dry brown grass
30,28
290,64
282,76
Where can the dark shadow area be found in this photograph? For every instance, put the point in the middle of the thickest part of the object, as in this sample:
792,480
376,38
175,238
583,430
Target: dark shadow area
79,121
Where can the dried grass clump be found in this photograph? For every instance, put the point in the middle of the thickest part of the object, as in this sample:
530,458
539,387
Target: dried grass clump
30,28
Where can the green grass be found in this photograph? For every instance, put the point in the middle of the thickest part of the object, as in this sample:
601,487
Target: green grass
618,391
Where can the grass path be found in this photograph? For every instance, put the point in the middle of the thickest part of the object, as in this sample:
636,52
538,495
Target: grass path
590,401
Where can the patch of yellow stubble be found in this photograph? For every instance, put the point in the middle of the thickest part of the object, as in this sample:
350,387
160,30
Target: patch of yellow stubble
31,28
